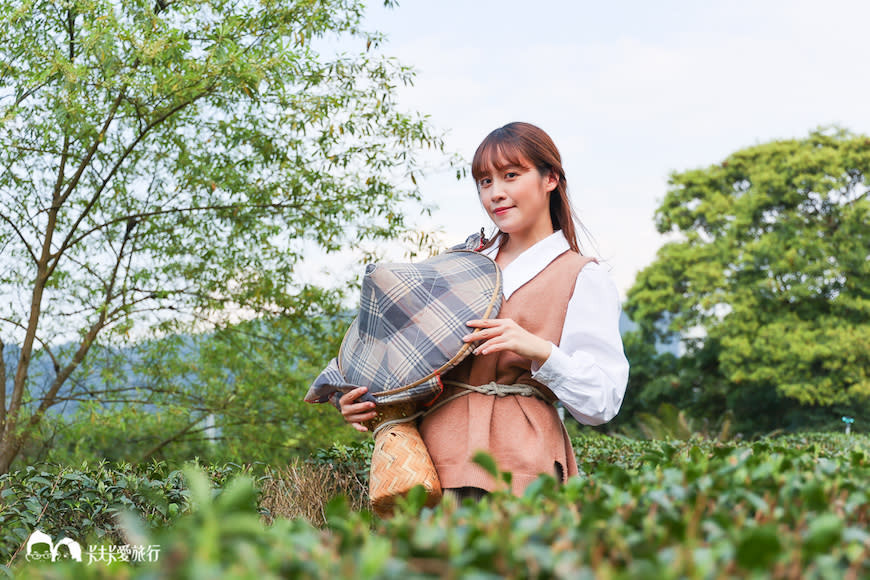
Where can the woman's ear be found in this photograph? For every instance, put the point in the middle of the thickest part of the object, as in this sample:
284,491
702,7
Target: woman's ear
552,181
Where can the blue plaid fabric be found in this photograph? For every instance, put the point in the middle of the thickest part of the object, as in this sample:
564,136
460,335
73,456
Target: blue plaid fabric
410,327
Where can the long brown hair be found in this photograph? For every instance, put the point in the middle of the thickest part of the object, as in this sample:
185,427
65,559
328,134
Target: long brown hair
521,144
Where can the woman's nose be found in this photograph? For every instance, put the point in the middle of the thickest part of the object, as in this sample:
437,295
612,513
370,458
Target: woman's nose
498,191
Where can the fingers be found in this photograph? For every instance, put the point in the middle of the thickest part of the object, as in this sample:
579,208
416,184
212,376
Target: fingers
504,334
480,323
492,328
489,323
485,329
358,416
493,335
492,345
351,396
355,413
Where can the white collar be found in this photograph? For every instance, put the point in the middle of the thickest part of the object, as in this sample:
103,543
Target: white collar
530,263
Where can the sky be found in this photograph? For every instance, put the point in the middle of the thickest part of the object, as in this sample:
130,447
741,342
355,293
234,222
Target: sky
630,91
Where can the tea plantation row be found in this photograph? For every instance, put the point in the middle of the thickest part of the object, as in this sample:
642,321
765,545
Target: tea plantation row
788,507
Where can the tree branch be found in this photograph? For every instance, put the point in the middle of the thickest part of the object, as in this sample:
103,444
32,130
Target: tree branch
26,149
173,210
71,23
86,160
42,343
21,237
87,268
48,398
10,441
80,392
61,170
161,5
43,273
84,347
2,387
23,96
154,123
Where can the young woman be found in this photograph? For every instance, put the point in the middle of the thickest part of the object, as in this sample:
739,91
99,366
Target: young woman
556,337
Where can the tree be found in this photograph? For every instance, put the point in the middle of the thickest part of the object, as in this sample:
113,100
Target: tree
771,270
236,397
167,163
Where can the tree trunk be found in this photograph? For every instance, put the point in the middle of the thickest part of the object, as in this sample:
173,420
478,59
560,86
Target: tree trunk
10,446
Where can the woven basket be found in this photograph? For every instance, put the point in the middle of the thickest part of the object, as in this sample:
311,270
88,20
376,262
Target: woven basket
400,461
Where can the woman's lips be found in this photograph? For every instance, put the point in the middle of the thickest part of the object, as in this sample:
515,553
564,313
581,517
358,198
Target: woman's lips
500,210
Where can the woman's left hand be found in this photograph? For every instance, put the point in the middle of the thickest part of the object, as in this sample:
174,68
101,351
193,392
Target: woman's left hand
498,334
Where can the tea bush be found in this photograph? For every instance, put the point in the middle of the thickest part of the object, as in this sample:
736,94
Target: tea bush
787,507
86,501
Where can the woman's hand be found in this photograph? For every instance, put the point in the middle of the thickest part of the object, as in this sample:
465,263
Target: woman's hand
355,413
498,334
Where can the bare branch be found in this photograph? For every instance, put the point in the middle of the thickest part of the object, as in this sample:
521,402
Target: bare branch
21,237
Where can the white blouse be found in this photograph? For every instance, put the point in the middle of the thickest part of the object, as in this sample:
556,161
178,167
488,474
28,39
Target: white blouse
588,371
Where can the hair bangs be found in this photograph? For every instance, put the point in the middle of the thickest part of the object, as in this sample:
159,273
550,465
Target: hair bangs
496,153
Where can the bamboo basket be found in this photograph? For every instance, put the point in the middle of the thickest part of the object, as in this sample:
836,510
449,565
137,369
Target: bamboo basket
400,461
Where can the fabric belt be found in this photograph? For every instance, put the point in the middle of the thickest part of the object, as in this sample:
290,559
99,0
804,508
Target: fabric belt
498,390
491,388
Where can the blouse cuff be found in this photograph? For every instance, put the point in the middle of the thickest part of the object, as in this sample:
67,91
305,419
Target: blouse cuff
558,365
536,367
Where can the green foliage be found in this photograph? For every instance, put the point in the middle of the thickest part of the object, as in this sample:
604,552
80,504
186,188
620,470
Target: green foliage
770,272
660,379
784,507
165,167
355,457
86,501
250,377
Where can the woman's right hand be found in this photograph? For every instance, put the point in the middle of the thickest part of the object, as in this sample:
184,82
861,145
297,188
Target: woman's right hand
355,413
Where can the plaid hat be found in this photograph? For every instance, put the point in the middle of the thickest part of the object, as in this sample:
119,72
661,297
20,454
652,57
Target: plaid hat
410,327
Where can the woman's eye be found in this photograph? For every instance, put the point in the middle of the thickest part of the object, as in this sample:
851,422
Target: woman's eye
511,174
484,182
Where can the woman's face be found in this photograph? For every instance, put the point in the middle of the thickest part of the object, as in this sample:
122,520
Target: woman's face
517,199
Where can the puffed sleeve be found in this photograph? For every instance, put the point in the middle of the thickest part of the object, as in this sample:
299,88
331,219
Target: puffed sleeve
588,371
